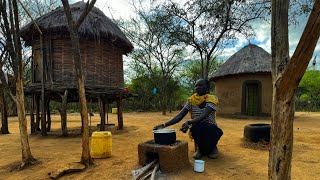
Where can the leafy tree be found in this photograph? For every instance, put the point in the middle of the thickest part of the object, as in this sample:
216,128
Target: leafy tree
191,72
147,100
155,51
308,93
210,27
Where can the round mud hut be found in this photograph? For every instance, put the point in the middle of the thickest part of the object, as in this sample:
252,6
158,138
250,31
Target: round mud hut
243,83
102,45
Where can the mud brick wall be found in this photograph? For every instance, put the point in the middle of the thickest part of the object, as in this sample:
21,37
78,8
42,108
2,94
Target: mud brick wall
172,157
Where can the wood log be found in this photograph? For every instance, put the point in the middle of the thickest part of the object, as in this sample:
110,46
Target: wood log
69,168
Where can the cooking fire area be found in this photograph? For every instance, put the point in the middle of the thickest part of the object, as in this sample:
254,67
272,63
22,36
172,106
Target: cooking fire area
164,153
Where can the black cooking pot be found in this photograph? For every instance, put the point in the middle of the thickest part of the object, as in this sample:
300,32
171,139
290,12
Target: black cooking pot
164,136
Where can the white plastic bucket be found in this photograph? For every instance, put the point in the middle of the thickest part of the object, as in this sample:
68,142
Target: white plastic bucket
199,165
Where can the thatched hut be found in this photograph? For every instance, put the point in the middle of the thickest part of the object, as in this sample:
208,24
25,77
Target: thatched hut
102,45
243,83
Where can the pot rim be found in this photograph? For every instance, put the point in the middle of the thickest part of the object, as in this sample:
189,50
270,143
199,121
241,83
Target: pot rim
164,131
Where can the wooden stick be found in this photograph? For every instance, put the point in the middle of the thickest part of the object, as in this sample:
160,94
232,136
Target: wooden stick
155,169
147,175
146,168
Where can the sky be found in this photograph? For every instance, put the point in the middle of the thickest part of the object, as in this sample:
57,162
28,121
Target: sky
122,9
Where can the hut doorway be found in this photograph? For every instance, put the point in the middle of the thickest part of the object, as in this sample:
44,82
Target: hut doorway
251,98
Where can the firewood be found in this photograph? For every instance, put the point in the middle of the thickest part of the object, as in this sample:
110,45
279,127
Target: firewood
146,168
147,175
155,169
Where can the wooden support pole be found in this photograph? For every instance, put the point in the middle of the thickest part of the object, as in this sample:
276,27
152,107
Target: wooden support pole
32,120
48,116
37,104
43,116
102,109
43,99
107,110
119,107
63,113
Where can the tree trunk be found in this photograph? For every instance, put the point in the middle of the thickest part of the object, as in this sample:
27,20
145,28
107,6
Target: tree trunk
4,113
281,143
286,75
163,107
163,100
27,157
12,34
86,157
73,29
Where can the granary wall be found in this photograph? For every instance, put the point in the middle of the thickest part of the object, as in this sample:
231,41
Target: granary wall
102,63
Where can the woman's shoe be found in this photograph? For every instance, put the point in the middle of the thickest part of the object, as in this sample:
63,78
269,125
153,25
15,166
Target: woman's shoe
197,155
214,153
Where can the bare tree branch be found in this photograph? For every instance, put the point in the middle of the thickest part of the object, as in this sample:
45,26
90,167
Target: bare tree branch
85,13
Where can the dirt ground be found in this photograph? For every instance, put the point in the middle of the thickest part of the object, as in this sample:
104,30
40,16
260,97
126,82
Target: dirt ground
236,161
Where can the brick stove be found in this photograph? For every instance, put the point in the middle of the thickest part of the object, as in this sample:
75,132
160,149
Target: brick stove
171,157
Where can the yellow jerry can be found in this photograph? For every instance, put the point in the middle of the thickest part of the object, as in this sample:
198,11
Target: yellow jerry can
101,144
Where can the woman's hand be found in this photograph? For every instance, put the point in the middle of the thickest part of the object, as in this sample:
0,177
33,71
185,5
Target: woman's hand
160,126
185,126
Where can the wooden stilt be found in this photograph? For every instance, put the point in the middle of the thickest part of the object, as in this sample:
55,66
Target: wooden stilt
119,107
107,110
33,96
102,113
48,116
37,104
63,113
43,97
43,116
32,120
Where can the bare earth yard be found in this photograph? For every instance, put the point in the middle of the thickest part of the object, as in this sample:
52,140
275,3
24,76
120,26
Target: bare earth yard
236,161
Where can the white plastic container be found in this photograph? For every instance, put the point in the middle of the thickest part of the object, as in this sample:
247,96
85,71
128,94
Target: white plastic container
199,165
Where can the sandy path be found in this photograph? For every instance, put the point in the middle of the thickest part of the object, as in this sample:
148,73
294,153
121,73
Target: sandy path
235,161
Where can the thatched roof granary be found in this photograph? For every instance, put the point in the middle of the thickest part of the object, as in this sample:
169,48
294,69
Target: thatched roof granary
102,45
244,84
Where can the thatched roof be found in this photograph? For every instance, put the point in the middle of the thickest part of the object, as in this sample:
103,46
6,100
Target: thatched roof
250,59
97,26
